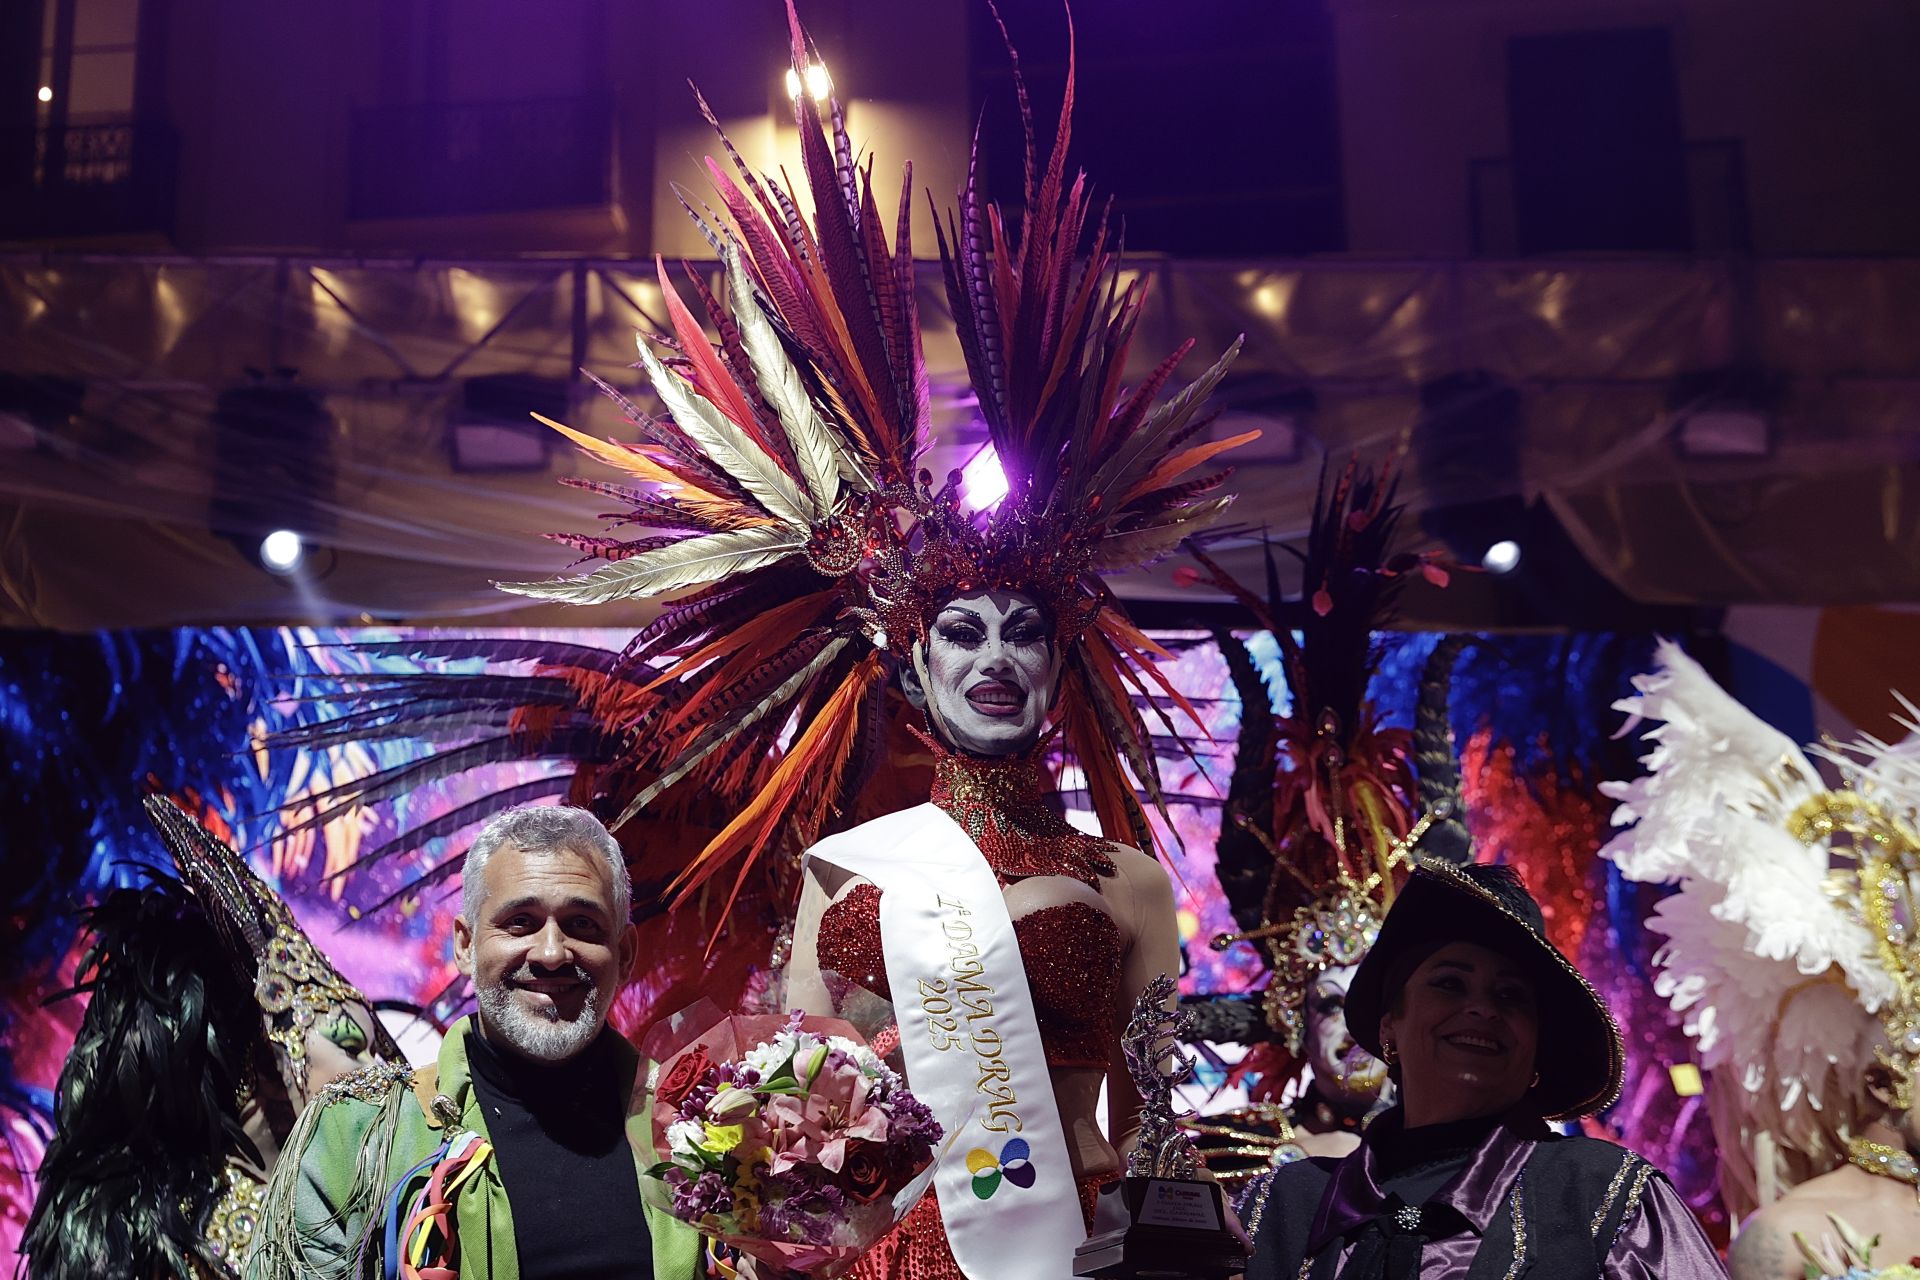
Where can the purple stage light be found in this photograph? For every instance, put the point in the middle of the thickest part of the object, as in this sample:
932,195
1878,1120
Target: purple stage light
983,480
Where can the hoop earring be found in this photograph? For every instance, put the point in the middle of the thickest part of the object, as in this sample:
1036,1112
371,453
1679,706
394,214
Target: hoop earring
1389,1054
1536,1081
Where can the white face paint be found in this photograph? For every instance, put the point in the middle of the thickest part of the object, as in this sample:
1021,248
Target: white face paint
1347,1076
991,671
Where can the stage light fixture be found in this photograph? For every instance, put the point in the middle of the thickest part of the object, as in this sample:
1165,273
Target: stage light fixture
1724,413
281,551
46,93
1724,432
273,481
1686,1079
817,83
1502,557
494,429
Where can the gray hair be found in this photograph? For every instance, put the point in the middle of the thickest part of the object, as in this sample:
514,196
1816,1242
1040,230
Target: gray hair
544,828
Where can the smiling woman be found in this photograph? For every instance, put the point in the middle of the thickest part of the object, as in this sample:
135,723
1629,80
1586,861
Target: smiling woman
1489,1031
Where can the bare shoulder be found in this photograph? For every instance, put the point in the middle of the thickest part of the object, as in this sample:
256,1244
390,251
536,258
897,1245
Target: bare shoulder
1764,1249
1141,872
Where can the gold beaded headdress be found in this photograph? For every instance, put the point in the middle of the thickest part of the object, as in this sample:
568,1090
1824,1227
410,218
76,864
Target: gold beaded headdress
796,538
293,983
1877,883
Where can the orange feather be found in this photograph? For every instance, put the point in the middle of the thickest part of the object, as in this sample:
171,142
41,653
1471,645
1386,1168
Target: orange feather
772,622
1177,464
826,737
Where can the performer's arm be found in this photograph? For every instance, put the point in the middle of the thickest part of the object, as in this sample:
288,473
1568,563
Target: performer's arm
309,1186
1152,934
1662,1240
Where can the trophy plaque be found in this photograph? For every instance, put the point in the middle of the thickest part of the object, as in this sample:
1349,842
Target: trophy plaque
1163,1221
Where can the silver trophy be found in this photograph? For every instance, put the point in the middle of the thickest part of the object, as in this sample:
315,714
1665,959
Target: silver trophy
1164,1220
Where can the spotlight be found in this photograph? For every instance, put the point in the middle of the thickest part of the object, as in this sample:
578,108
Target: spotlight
817,82
46,93
273,483
281,551
1502,557
983,479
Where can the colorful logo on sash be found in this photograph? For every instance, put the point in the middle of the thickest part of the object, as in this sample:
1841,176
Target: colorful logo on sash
1011,1165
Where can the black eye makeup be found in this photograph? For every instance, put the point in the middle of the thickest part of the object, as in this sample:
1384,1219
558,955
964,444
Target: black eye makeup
960,631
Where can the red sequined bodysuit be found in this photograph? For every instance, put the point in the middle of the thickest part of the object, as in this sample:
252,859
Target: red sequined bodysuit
1071,954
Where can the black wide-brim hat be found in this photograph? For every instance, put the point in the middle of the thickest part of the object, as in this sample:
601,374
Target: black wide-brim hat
1580,1057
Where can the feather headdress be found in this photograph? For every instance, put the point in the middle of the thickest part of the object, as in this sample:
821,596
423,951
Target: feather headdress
1322,799
798,543
293,981
1788,951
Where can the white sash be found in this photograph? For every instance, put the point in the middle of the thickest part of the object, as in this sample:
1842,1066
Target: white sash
972,1044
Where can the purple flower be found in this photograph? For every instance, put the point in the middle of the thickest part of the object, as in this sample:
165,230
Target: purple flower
695,1199
801,1206
912,1122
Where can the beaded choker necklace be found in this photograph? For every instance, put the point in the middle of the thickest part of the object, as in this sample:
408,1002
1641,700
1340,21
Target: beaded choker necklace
1884,1161
1001,804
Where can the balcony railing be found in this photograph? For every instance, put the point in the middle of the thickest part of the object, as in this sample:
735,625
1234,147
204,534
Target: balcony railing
442,159
97,178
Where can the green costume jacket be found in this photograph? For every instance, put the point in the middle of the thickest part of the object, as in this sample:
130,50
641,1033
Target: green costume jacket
356,1139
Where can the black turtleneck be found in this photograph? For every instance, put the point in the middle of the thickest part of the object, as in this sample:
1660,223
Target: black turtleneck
559,1133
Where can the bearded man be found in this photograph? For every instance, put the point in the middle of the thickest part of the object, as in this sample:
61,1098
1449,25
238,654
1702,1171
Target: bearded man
509,1157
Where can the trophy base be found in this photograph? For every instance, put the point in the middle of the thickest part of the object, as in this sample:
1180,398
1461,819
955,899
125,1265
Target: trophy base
1160,1229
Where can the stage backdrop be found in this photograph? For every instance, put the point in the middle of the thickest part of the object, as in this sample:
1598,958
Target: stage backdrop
87,721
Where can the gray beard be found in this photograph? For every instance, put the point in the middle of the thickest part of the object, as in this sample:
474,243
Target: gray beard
544,1039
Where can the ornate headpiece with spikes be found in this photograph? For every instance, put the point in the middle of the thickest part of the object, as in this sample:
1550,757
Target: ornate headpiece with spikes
1320,808
1790,949
784,481
293,983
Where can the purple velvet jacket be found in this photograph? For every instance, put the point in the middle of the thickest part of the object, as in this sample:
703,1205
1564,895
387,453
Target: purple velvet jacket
1528,1202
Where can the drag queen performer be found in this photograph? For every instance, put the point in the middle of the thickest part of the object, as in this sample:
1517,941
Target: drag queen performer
821,561
956,906
1790,955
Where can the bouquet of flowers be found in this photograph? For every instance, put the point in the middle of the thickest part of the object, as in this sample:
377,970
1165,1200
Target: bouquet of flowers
787,1138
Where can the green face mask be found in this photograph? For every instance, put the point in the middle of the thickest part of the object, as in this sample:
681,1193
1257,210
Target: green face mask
346,1033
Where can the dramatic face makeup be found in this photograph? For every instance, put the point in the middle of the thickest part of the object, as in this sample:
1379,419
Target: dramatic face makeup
545,952
1466,1027
991,669
1346,1075
339,1042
